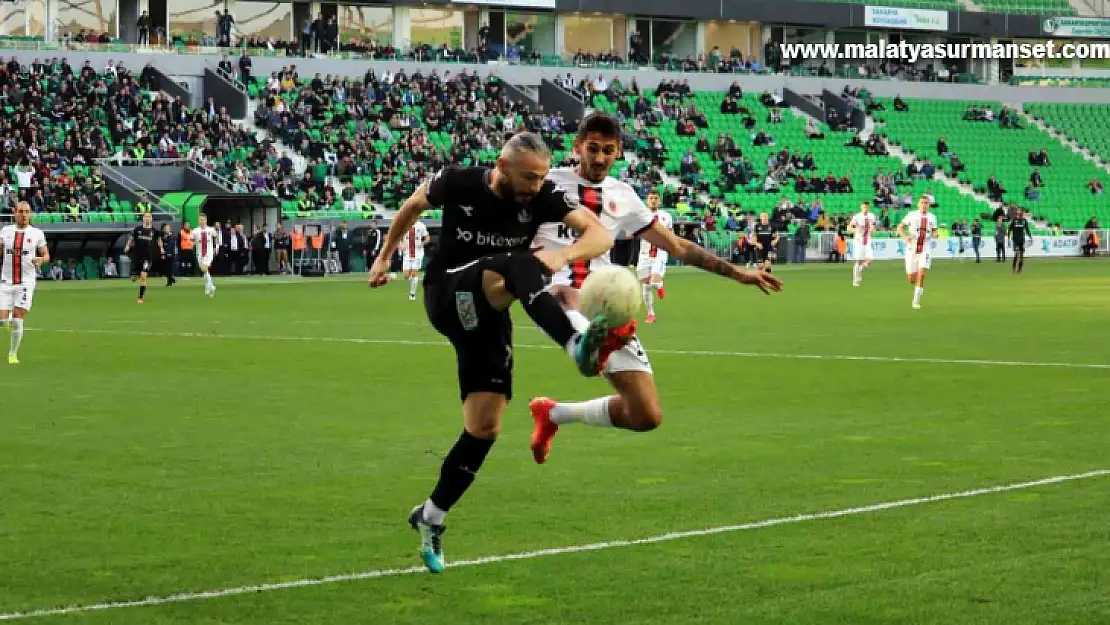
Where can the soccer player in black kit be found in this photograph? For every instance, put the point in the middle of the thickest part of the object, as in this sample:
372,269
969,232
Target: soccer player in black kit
766,238
1020,234
483,264
145,246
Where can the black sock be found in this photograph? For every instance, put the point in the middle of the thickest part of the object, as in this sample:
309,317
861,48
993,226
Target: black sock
523,276
1021,263
1013,263
142,291
459,468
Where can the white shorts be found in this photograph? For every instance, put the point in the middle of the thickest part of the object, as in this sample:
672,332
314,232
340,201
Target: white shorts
656,266
862,252
206,261
16,296
411,264
915,262
631,357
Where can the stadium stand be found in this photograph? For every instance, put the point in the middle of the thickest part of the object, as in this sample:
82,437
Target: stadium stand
967,126
1086,124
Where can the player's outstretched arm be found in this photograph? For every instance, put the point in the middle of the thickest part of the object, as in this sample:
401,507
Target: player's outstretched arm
593,241
404,219
697,256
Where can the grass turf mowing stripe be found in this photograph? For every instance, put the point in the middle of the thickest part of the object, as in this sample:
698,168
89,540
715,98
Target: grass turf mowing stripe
677,352
528,555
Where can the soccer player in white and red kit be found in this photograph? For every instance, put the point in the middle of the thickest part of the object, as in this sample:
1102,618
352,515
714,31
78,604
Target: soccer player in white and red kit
652,264
636,406
205,243
862,229
412,254
23,248
918,229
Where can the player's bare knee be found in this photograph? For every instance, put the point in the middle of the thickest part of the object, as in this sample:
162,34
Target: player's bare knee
647,419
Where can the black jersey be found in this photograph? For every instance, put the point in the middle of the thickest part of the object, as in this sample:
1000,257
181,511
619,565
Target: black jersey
764,233
1019,231
144,241
478,222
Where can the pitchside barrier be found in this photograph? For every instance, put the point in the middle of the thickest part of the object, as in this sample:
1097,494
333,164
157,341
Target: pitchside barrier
1069,243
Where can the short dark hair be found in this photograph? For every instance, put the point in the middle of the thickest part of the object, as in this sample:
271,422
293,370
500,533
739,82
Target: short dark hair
599,123
653,192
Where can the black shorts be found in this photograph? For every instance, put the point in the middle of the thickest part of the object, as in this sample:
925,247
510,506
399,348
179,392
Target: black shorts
1019,246
141,264
766,253
482,336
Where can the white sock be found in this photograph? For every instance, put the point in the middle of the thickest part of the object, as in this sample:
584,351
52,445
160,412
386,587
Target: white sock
917,292
414,283
580,323
432,513
208,281
857,273
593,412
649,298
17,336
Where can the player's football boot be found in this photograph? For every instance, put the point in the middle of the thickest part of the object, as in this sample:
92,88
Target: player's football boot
544,429
13,359
139,300
587,353
431,545
650,318
616,339
661,292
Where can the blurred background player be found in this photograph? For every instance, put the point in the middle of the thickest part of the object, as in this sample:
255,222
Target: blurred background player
918,229
765,238
412,255
1020,235
636,406
862,228
169,259
23,249
652,264
482,265
206,242
146,243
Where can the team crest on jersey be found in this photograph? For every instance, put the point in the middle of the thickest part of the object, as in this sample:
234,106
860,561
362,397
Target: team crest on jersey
613,207
524,216
468,313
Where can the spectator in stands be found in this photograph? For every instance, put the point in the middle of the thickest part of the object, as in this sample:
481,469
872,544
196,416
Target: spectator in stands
1032,193
1094,186
994,189
956,164
942,148
110,270
57,272
143,26
1039,159
1035,178
900,104
1009,118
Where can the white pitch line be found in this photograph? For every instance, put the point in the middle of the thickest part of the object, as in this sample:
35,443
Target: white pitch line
677,352
555,551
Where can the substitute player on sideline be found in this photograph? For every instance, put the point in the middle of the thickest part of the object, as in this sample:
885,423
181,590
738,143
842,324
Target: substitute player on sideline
481,266
652,264
412,255
636,406
23,248
918,229
766,240
862,229
206,242
1020,234
144,240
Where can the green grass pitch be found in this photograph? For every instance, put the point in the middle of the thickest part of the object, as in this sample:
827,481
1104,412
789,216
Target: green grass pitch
283,430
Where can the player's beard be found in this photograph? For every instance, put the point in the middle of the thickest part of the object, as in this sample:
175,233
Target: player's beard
506,190
593,174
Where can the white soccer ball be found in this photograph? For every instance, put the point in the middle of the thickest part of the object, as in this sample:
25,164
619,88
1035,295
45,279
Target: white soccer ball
613,292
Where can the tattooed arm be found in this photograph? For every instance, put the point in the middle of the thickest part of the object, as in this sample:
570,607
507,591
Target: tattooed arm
697,256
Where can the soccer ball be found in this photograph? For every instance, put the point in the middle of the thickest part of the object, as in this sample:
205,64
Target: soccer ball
612,292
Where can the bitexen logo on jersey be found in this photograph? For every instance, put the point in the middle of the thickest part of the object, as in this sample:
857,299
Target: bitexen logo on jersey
491,239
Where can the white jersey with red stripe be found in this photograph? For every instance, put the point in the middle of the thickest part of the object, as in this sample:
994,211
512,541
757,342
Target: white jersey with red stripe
615,203
20,249
412,243
205,243
864,224
650,253
921,227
